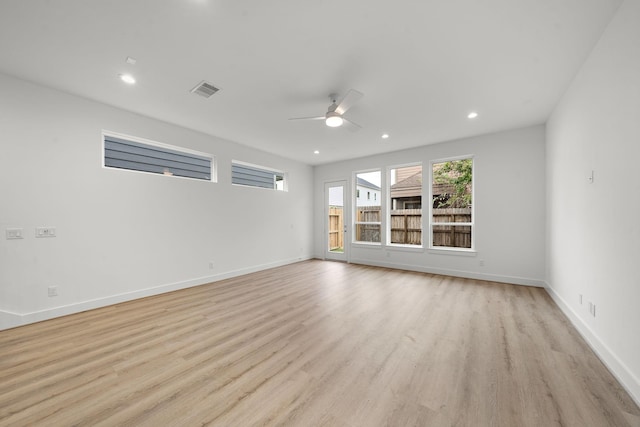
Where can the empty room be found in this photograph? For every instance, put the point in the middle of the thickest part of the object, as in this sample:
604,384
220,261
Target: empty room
357,213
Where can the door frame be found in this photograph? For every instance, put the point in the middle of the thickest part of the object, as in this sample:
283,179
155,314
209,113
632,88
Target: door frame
346,219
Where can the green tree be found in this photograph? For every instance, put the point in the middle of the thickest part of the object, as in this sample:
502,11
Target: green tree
457,174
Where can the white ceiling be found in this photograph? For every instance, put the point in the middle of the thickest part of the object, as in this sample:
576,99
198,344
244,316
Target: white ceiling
422,65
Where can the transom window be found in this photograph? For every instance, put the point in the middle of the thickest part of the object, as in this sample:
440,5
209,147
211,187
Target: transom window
257,176
140,155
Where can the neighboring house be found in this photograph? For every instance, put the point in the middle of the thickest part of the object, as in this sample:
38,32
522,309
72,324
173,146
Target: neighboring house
400,174
407,192
367,194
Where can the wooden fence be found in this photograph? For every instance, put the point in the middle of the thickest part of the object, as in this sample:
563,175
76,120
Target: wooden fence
336,225
368,232
406,226
458,236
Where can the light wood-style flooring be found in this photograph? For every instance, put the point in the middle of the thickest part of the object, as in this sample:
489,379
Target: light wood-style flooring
313,344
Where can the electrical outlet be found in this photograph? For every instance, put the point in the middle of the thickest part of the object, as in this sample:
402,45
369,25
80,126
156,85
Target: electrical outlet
52,291
481,263
211,265
580,298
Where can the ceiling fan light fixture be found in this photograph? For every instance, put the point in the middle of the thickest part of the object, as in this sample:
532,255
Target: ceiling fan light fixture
334,116
334,120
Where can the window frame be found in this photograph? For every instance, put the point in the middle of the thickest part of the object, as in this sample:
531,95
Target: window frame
448,249
155,144
389,208
276,173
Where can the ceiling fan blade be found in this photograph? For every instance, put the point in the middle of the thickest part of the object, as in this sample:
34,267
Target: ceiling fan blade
348,101
308,118
352,126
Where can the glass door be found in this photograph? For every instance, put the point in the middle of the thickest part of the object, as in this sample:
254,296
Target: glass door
335,220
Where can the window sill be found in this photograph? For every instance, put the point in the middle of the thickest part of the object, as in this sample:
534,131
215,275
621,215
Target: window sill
404,248
366,245
453,251
261,188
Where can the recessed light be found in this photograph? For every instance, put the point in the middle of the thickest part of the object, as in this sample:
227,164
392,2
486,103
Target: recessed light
385,135
316,152
472,115
127,78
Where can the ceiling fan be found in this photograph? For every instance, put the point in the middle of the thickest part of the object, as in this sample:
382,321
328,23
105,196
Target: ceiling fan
335,114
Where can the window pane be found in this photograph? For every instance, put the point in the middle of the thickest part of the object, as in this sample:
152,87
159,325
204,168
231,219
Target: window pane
335,221
405,214
123,153
367,219
368,233
256,176
453,236
452,199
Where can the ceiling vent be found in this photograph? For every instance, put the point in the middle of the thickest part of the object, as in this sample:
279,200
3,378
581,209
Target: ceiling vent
204,89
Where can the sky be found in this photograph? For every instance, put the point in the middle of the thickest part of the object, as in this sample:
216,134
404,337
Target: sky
372,177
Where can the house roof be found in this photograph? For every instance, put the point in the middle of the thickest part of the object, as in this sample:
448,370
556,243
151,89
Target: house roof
412,186
409,187
414,181
364,183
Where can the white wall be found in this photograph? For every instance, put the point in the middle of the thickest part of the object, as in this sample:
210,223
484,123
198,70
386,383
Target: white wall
509,203
124,234
593,229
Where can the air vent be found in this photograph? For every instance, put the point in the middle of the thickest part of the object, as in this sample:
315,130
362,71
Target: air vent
204,89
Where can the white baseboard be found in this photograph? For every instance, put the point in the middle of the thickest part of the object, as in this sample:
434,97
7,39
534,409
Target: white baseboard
11,320
457,273
617,368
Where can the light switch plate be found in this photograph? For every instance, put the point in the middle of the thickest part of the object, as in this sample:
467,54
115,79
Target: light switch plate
14,233
45,232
